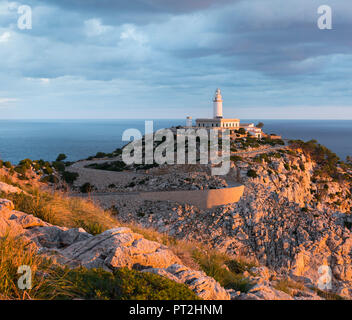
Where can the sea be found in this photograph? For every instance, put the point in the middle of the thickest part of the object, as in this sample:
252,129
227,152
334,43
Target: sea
78,139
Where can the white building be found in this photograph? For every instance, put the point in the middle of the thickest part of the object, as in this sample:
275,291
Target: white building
220,123
217,104
252,129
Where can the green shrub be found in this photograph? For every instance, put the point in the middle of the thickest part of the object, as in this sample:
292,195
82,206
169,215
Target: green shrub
59,166
109,166
20,169
61,157
1,164
100,155
48,170
226,271
87,188
8,164
287,166
286,285
252,173
131,185
93,228
239,266
69,177
27,163
326,160
327,295
51,178
123,284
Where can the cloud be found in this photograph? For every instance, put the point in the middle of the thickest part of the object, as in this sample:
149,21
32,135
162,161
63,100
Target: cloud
7,102
94,27
150,53
5,37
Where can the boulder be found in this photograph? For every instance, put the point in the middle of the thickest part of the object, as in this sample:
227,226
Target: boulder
203,286
6,204
53,237
7,188
117,248
264,292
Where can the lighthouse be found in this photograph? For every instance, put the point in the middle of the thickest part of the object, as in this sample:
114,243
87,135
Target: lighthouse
217,103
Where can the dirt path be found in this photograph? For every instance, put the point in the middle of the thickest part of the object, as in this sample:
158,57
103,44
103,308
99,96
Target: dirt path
101,178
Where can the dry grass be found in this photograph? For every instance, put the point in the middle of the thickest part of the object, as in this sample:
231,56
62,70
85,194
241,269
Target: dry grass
52,281
289,286
181,248
229,272
14,253
59,209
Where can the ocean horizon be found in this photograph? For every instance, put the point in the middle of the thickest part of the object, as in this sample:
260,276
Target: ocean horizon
78,139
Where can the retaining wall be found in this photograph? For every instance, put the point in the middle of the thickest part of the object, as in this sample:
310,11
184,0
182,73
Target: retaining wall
204,199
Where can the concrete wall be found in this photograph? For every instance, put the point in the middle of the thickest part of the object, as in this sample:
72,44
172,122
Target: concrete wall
204,199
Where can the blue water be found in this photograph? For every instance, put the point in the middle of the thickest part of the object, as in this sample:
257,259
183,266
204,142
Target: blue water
78,139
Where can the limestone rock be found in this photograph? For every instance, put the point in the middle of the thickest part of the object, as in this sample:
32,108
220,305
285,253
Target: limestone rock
117,248
264,292
205,287
6,204
54,237
7,188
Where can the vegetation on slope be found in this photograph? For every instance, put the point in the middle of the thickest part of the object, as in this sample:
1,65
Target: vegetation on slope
56,282
227,271
59,209
328,163
123,284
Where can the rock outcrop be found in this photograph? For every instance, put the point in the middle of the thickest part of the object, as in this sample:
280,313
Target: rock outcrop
204,286
112,249
7,188
118,248
286,220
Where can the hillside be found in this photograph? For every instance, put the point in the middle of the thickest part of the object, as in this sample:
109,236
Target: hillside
293,218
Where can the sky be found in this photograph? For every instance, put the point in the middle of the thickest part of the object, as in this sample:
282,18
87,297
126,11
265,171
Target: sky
113,59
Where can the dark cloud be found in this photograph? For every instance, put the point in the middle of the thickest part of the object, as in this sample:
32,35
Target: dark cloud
265,51
136,11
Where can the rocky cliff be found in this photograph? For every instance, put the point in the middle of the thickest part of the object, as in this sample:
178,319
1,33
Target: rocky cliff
289,219
293,221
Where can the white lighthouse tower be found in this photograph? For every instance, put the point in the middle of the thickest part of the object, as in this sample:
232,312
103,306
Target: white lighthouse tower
217,104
